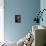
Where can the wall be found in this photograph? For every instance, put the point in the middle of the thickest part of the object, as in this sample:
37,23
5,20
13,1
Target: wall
26,8
43,6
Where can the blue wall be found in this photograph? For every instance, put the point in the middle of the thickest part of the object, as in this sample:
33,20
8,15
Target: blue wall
43,6
25,8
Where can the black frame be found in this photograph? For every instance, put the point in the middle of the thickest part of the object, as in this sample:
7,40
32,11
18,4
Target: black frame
18,18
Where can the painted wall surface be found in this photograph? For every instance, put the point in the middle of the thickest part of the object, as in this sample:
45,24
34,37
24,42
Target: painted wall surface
43,6
26,8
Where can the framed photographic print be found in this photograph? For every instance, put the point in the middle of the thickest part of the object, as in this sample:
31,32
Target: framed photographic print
17,18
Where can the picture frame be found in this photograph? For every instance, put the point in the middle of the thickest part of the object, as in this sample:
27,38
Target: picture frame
17,18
